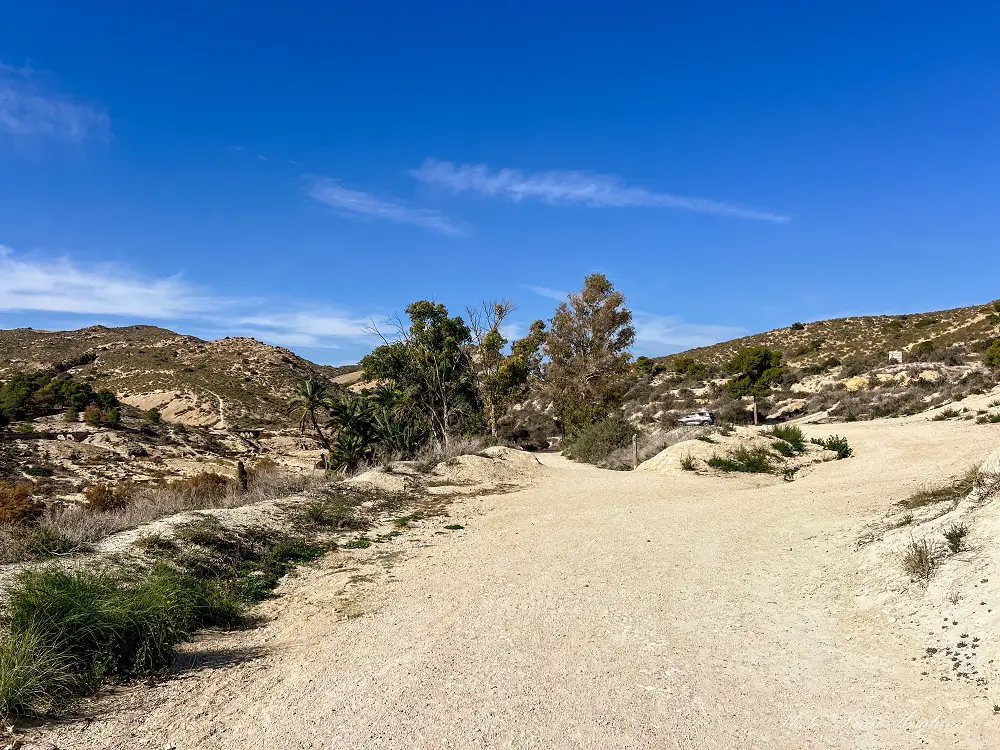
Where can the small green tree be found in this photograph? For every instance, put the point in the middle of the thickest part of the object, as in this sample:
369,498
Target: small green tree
992,356
500,378
429,362
111,416
588,349
754,370
153,416
649,367
312,397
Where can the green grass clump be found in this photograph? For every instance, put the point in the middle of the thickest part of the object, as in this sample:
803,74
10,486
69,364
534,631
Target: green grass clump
748,460
360,543
790,434
687,462
67,631
785,449
34,677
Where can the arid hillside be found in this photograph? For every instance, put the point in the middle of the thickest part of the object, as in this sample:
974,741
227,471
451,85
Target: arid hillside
225,383
861,338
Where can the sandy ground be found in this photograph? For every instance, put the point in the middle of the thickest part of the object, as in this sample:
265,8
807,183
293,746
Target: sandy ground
594,609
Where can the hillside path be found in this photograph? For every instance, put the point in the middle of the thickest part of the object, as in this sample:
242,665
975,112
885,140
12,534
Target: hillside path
595,609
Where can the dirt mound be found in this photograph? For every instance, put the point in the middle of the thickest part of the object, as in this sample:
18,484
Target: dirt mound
496,466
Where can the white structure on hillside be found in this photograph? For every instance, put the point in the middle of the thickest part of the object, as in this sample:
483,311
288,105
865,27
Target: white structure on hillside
896,357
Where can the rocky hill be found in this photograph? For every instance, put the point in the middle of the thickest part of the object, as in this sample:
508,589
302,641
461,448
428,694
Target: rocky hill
225,383
861,338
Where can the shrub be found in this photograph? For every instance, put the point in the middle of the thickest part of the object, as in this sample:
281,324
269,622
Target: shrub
153,416
687,462
955,536
71,415
39,471
600,439
93,415
783,448
920,559
792,435
836,444
88,627
749,460
205,487
103,499
798,326
944,414
17,505
992,356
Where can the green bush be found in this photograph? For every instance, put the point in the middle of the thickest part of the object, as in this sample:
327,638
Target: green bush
27,395
783,448
600,439
67,631
992,356
792,435
748,460
836,444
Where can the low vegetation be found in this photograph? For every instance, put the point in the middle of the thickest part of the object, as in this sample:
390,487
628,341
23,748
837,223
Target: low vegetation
791,435
30,530
743,459
597,441
68,631
955,535
836,444
921,558
951,491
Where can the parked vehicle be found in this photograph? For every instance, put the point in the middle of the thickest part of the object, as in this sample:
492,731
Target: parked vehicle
698,419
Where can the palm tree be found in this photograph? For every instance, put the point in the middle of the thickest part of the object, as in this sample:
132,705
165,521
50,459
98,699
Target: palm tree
311,396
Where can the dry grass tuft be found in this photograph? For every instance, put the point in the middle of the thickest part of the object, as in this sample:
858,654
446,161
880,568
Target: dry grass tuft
953,491
65,529
920,559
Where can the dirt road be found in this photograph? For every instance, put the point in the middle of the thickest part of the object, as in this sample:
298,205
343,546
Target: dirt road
595,609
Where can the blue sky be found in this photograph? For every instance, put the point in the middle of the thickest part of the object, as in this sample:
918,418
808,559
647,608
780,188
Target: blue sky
290,170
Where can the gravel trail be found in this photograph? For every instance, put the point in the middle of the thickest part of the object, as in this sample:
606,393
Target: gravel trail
594,609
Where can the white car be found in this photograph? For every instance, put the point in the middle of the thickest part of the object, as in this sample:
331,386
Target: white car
698,419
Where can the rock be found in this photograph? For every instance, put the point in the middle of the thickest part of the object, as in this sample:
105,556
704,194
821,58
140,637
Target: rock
992,464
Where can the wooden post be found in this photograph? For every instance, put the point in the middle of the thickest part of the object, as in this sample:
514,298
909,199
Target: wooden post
635,452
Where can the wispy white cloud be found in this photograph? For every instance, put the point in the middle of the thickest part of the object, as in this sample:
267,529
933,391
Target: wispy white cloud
359,204
544,291
35,284
316,328
569,187
671,331
30,110
60,285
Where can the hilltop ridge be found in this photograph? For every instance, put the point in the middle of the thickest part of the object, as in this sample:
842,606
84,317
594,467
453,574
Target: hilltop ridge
225,382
